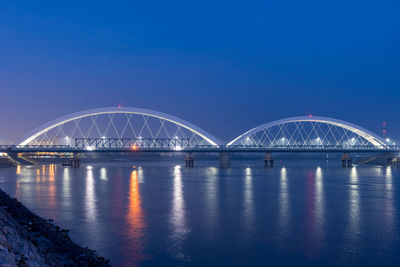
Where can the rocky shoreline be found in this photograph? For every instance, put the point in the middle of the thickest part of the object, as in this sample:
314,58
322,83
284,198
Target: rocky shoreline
28,240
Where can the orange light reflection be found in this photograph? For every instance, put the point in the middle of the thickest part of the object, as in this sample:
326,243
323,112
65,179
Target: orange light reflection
52,188
19,169
135,217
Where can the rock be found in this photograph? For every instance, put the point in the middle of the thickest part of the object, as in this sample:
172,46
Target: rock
28,240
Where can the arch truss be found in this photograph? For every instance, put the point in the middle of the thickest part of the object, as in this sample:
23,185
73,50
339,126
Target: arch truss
309,132
119,127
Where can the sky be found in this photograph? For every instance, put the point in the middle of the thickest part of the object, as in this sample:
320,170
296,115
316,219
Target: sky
226,66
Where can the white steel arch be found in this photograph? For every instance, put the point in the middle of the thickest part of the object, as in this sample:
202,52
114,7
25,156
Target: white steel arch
367,135
115,110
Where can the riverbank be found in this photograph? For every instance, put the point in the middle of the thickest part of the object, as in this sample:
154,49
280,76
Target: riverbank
28,240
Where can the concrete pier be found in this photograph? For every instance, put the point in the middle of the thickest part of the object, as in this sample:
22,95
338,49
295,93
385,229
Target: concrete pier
75,161
395,161
268,161
189,160
224,159
346,160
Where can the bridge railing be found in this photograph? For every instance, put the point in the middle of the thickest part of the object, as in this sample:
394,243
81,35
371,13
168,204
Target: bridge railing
172,144
132,143
303,147
11,147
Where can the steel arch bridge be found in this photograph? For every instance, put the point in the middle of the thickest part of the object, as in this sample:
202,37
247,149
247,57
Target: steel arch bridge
126,129
119,127
308,132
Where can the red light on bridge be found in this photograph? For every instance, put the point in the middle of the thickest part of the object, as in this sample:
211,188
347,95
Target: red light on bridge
310,115
119,106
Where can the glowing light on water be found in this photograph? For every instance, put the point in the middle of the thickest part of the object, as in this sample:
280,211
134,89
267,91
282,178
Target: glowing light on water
354,211
319,203
135,217
177,219
248,203
283,203
103,174
18,169
90,196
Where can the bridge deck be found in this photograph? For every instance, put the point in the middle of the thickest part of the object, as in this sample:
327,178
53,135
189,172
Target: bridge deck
201,149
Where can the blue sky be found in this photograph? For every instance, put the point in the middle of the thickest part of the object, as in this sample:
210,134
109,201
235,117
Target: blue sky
226,66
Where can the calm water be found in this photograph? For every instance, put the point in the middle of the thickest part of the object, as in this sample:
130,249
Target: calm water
311,213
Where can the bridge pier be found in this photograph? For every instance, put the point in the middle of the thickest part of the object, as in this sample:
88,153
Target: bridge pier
346,160
75,161
189,160
224,159
268,161
394,161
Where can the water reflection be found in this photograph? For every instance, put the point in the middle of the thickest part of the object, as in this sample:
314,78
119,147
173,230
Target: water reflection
319,202
167,218
103,173
283,204
135,219
52,186
315,213
248,204
389,208
66,188
18,169
37,176
90,196
211,199
353,230
177,219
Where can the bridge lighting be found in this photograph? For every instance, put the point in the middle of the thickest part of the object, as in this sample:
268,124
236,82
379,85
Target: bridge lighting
176,137
140,137
103,137
388,140
134,147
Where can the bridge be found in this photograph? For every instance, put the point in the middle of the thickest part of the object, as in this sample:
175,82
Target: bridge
132,130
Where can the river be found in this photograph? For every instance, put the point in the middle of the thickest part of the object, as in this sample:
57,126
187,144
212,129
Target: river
313,213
